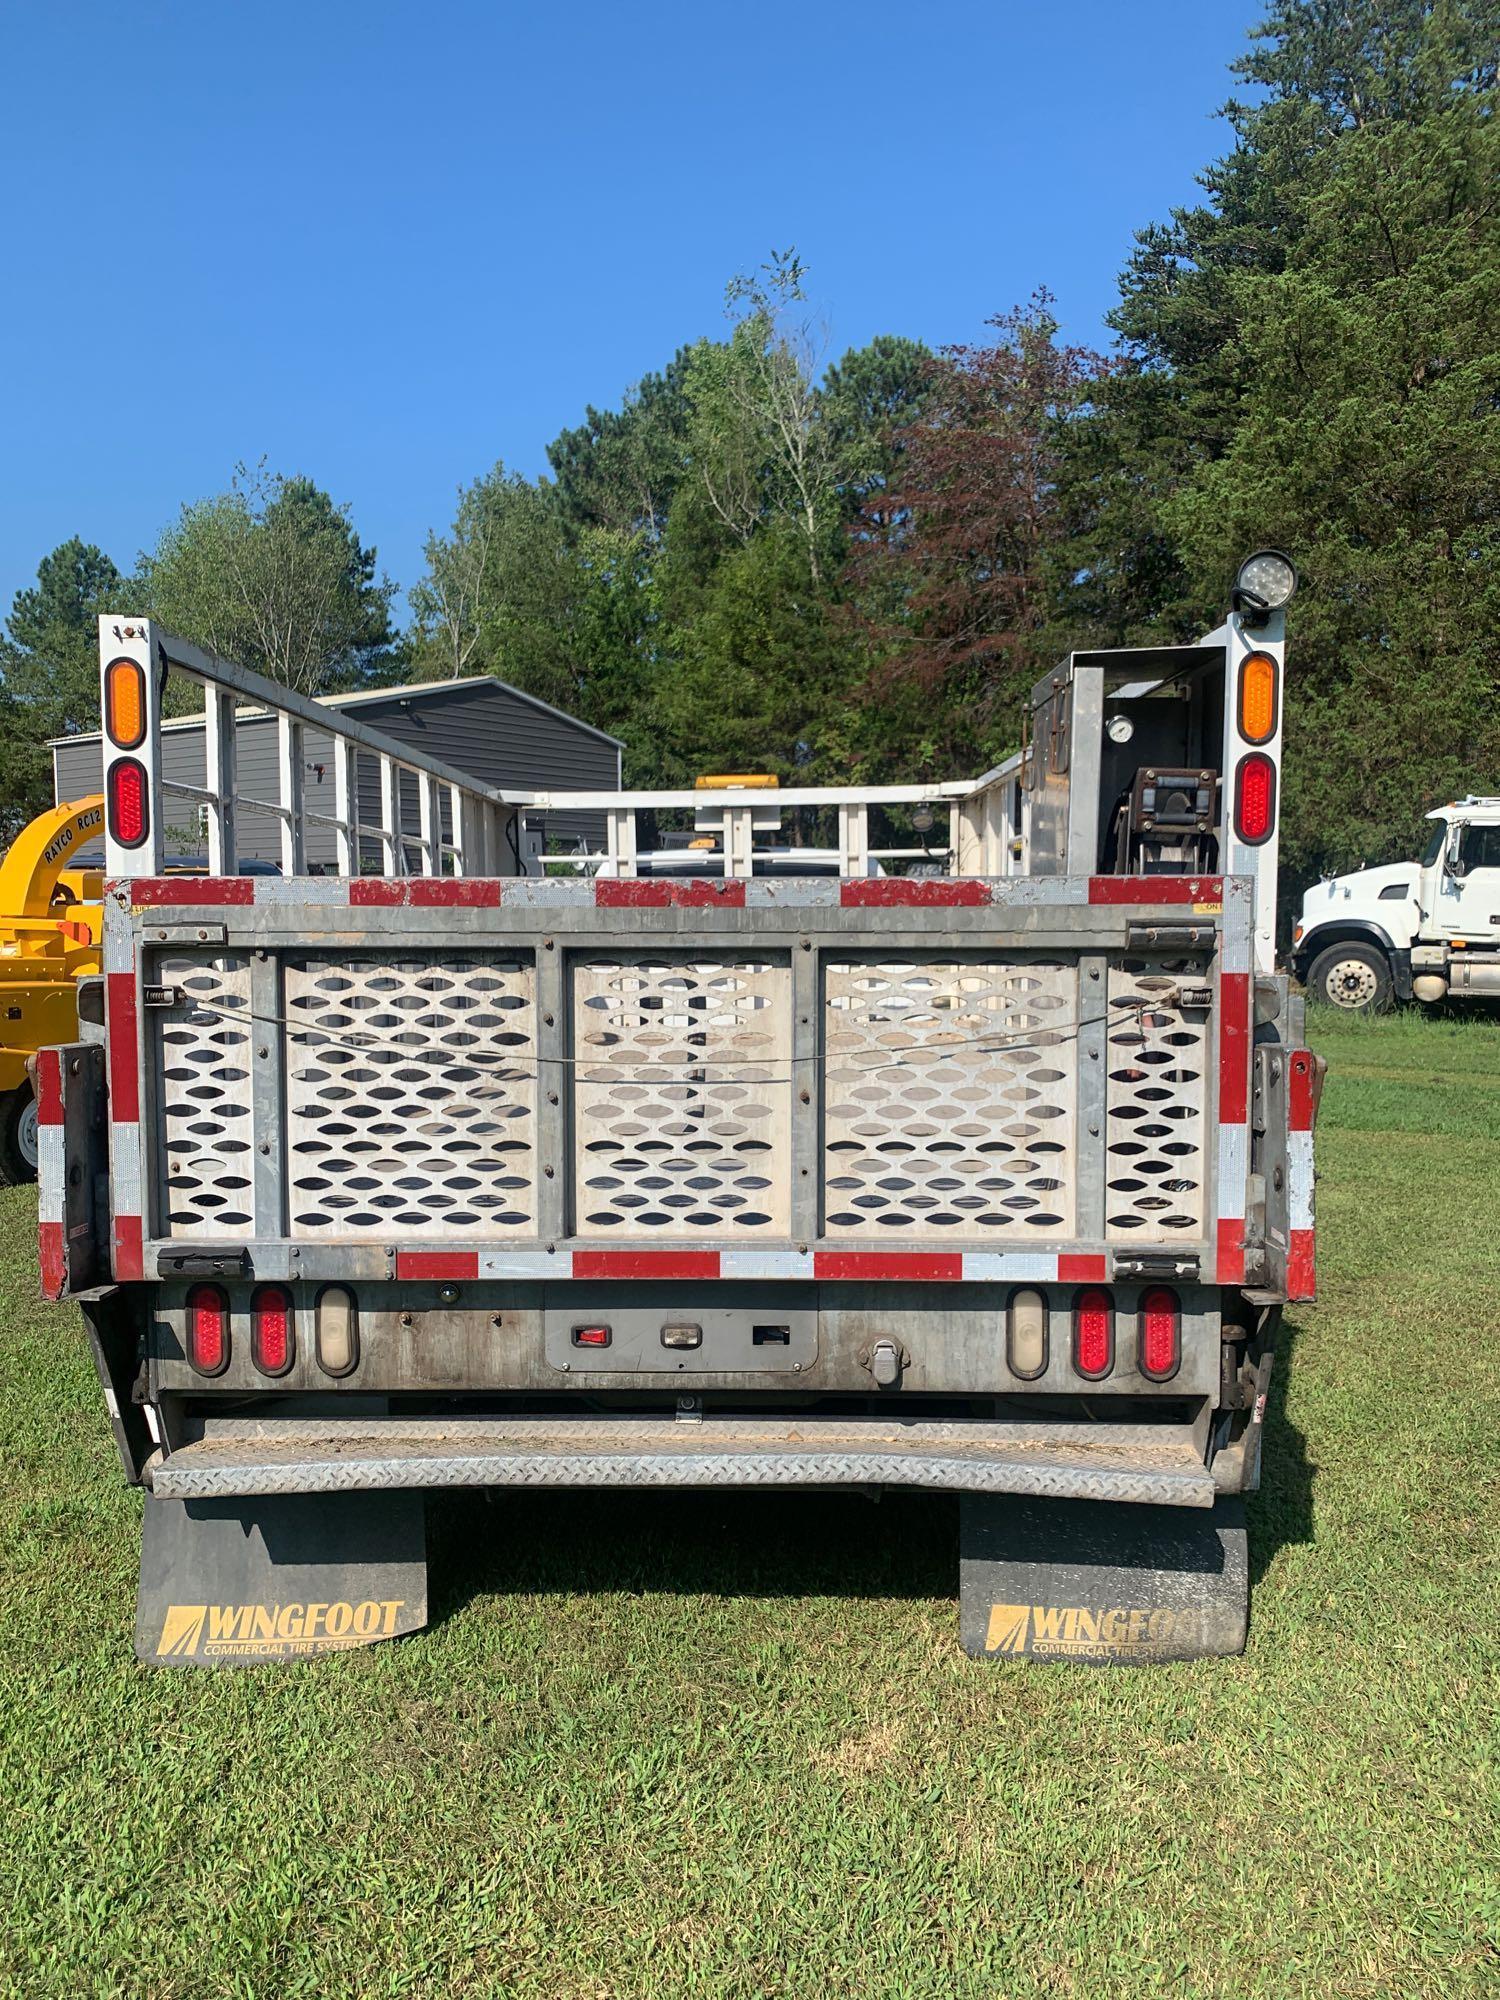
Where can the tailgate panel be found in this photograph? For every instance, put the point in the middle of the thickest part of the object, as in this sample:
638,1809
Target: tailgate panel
766,1086
950,1098
411,1096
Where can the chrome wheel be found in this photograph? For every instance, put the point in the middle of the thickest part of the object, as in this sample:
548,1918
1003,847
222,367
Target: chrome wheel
1351,983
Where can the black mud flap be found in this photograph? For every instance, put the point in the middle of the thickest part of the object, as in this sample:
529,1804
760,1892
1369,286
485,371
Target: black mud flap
236,1583
1105,1585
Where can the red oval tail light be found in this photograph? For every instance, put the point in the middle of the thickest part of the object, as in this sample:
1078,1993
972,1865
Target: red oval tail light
1093,1332
1255,798
271,1340
1161,1333
129,812
208,1329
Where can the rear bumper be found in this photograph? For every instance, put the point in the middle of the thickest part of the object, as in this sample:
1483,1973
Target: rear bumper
1150,1465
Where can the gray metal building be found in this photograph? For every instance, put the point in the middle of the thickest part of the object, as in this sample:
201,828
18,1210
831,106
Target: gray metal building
482,726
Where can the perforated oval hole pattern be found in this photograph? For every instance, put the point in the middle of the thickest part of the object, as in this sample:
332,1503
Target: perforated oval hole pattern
205,1177
950,1099
682,1095
411,1096
1158,1055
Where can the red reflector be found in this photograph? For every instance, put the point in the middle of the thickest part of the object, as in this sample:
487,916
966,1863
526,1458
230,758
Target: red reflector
591,1336
1255,798
271,1330
208,1329
1093,1332
1161,1344
129,814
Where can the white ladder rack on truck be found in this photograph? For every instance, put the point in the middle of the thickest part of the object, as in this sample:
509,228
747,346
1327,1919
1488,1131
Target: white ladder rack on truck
751,1164
459,822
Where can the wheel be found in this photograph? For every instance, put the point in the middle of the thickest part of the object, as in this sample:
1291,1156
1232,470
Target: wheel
18,1147
1355,978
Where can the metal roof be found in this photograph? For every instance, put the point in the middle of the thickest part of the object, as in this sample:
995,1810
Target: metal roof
411,691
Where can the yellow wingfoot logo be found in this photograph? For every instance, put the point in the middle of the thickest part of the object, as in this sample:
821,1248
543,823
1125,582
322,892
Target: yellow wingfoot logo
1008,1628
274,1631
1091,1632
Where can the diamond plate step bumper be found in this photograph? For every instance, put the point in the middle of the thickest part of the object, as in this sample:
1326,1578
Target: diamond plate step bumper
1150,1465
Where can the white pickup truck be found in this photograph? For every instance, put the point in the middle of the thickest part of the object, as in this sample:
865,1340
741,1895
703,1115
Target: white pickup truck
1415,930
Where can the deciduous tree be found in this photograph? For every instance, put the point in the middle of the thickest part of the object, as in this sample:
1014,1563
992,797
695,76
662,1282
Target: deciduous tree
273,574
959,555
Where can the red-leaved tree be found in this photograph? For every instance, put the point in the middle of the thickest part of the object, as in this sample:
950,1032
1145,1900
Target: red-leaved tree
959,563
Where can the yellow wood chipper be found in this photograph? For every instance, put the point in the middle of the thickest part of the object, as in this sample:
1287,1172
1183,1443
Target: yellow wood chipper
50,921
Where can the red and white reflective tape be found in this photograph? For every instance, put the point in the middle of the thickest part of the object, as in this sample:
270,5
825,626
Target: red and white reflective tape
418,892
1301,1265
1232,1162
443,892
1127,891
437,1264
51,1174
926,1266
122,1049
216,892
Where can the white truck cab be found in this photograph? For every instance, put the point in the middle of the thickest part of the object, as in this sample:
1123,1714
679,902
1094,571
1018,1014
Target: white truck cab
1412,930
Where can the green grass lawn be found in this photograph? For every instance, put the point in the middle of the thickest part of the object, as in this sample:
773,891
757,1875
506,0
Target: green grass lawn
727,1745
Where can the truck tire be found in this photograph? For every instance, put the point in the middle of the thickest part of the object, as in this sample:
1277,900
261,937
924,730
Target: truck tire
18,1146
1355,978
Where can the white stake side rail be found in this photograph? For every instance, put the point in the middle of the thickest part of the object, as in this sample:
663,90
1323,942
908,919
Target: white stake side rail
987,816
475,843
987,823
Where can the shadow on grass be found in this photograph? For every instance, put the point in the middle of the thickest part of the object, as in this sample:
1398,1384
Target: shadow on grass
722,1544
1281,1513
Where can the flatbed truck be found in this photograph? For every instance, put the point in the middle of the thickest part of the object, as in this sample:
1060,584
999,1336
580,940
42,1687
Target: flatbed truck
976,1159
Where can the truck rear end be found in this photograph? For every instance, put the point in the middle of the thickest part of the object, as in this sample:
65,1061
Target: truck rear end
990,1180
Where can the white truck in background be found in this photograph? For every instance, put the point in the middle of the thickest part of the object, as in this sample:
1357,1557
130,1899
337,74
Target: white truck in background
1413,930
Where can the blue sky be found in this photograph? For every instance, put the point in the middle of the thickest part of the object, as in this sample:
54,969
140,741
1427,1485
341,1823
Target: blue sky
386,244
